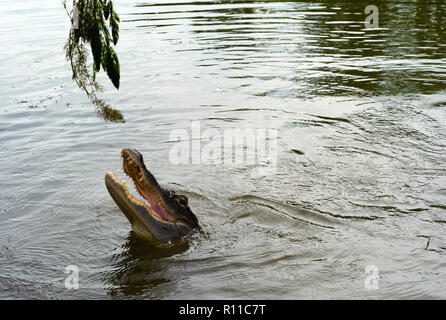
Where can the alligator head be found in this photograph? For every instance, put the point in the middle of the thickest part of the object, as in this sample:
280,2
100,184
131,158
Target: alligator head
163,215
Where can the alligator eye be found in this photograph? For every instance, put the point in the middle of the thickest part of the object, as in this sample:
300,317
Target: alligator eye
182,200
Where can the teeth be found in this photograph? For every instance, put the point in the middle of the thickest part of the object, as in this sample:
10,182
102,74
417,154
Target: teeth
138,176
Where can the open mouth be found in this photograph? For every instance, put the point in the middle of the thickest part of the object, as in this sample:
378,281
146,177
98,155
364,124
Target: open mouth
152,200
152,196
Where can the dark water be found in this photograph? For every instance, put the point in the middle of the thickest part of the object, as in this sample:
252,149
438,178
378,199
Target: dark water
360,178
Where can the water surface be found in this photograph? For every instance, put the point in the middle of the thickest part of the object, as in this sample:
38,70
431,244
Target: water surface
360,179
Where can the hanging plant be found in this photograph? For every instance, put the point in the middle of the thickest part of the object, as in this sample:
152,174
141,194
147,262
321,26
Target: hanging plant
97,26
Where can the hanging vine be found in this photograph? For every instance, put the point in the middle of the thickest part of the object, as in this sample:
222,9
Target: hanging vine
98,28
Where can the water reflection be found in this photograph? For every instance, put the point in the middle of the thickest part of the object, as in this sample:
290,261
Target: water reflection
140,267
361,162
312,49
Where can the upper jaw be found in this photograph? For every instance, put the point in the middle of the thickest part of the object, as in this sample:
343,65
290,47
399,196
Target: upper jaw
147,186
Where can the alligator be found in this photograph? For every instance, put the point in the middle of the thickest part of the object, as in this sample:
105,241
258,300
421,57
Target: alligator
163,215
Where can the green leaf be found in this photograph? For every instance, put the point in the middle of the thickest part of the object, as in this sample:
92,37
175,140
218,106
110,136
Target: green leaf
106,9
113,71
114,25
96,47
104,60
